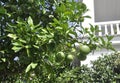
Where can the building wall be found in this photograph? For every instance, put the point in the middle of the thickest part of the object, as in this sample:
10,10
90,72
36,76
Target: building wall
102,11
105,11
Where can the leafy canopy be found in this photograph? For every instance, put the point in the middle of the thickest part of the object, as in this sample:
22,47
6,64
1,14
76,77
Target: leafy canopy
33,32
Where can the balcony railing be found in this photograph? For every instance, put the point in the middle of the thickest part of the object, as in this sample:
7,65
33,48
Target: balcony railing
108,28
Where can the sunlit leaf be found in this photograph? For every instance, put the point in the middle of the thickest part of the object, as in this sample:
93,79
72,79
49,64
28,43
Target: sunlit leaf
16,48
17,44
28,68
3,59
21,40
36,46
12,36
30,21
31,66
28,52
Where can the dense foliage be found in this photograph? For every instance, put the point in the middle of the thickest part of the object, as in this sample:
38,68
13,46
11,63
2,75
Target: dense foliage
37,37
103,70
106,69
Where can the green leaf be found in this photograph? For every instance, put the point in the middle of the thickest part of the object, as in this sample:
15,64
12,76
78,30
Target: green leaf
12,36
28,52
21,40
86,16
16,48
2,10
44,10
109,37
2,51
17,44
56,21
62,8
44,30
36,46
31,66
102,40
59,28
97,29
30,21
28,46
3,59
9,15
28,68
92,28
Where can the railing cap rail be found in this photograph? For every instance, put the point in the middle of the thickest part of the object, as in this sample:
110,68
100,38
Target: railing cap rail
108,22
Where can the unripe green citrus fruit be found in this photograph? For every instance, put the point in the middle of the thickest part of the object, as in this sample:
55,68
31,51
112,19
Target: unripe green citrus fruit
60,56
69,58
84,49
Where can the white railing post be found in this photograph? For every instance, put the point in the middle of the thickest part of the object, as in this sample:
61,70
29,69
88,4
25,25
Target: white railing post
100,30
112,29
118,28
106,30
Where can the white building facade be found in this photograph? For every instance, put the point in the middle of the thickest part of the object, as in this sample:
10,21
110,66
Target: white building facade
105,14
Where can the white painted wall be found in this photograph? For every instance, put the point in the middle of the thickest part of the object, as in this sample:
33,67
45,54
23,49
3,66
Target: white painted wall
90,6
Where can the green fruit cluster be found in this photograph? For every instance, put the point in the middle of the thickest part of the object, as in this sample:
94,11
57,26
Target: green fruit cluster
60,57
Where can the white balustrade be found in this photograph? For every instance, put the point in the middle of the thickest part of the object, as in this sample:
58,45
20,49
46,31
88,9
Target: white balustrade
110,28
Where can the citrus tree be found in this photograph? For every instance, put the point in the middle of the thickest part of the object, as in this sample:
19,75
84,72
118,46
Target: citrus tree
39,37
